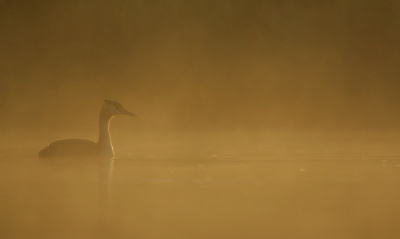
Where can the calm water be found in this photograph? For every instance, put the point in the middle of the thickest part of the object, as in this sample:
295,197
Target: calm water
224,193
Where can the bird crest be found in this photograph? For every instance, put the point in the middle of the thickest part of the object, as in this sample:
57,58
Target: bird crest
112,102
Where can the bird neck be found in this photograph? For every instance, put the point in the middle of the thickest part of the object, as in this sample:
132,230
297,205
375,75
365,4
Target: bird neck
104,144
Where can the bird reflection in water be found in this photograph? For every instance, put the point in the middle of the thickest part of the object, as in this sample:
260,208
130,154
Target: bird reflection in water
106,168
78,152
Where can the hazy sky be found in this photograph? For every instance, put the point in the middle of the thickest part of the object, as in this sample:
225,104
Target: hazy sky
200,65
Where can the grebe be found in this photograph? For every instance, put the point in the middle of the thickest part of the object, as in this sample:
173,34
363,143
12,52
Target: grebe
84,148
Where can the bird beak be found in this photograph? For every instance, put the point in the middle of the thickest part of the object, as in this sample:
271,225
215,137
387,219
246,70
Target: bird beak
125,112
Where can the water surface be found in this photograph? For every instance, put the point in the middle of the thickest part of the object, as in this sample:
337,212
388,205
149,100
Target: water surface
203,193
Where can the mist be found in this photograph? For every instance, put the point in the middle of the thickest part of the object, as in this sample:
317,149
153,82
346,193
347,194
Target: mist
194,67
274,119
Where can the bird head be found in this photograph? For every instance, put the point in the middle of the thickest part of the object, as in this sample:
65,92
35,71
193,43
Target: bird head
112,108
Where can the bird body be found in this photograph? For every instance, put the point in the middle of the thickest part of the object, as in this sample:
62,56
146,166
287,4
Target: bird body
76,148
84,148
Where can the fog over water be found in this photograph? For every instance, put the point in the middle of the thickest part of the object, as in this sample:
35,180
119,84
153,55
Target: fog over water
259,119
204,66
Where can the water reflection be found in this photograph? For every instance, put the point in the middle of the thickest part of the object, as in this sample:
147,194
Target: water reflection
273,195
56,198
106,167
